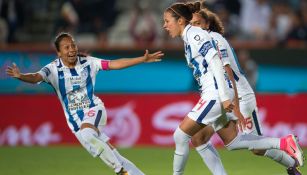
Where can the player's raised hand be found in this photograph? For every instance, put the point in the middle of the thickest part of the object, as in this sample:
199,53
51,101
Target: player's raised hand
228,105
153,57
13,71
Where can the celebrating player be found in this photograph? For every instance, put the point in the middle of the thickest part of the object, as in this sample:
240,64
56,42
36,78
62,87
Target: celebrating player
73,78
215,91
248,106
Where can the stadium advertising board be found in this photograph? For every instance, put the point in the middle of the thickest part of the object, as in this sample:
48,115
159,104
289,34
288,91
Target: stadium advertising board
136,119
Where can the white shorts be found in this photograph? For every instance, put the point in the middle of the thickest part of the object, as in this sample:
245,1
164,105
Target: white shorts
248,108
96,116
209,111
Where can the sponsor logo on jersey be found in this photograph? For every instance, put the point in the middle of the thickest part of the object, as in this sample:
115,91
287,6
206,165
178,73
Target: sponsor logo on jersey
61,76
224,53
75,80
197,37
205,48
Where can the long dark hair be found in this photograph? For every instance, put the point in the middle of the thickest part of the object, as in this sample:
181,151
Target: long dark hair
184,10
215,23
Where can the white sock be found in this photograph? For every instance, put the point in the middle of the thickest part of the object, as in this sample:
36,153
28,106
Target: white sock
101,148
211,158
127,164
251,142
280,157
182,151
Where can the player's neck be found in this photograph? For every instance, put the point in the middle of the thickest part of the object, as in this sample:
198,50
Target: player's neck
69,64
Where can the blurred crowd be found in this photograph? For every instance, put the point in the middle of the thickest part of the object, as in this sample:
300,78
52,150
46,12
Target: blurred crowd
139,22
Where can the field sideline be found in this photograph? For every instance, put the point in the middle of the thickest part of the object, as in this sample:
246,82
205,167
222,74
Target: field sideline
74,160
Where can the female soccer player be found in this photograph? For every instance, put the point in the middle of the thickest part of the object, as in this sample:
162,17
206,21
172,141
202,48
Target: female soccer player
208,71
73,78
209,21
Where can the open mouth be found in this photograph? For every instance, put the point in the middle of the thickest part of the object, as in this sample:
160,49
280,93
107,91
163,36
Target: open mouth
72,56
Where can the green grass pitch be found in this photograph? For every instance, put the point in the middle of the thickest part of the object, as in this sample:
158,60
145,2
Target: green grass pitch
74,160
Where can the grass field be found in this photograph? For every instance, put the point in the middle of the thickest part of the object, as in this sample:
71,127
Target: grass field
74,160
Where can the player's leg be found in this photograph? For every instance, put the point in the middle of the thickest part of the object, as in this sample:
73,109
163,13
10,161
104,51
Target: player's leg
100,148
250,112
207,151
182,136
127,164
234,141
89,132
206,110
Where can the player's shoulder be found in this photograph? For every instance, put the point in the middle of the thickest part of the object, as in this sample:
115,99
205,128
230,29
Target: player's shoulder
215,34
54,63
197,35
89,58
194,31
220,38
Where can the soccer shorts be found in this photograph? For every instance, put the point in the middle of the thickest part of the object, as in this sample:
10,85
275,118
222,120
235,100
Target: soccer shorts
248,108
96,116
209,111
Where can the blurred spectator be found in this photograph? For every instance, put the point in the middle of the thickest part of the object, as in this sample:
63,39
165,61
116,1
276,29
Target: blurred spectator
90,17
297,36
12,12
3,31
142,24
230,21
280,22
139,23
249,67
254,17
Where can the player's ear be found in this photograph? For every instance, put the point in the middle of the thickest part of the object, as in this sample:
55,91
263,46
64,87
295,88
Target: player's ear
181,21
58,54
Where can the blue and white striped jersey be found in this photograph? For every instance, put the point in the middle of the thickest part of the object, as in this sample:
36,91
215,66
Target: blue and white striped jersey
199,51
229,58
74,86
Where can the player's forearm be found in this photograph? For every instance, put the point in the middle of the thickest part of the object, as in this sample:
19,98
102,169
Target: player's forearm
218,72
234,84
125,62
30,77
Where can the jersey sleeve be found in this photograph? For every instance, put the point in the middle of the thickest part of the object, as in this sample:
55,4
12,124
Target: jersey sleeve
223,51
45,72
201,44
100,64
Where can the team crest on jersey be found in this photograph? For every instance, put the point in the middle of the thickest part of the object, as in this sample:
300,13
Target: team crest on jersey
84,72
78,100
197,37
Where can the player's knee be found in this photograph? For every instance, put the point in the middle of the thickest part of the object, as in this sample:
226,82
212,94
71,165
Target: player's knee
181,137
87,134
90,136
197,141
258,152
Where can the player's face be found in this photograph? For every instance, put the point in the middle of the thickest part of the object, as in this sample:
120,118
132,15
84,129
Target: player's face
198,21
68,51
171,25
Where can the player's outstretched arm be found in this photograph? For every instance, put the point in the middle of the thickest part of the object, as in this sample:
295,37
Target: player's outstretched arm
127,62
29,77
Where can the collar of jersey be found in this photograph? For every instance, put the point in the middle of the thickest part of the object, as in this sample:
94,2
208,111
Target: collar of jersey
185,30
63,65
